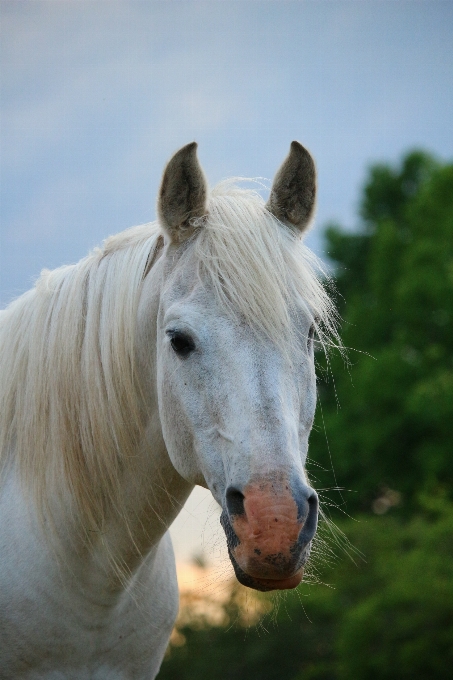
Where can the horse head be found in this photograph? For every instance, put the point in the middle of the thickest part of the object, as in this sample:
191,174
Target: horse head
236,385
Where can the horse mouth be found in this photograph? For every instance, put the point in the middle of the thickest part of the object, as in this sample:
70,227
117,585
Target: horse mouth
266,584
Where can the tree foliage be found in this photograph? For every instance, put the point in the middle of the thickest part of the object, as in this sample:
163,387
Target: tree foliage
387,418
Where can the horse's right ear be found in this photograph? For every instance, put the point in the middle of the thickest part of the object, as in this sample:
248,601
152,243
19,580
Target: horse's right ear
183,193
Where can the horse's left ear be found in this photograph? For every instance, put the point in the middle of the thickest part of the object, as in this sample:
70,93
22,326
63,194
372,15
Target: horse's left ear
183,193
293,193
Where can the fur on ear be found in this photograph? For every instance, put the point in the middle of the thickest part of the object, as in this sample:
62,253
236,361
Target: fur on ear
183,193
293,193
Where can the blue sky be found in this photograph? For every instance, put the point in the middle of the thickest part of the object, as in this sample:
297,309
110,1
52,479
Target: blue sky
95,97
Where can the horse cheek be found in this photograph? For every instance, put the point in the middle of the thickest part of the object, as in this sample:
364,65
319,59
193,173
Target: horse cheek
177,416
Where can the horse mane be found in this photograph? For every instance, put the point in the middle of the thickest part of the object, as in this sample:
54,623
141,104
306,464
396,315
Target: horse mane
70,404
69,393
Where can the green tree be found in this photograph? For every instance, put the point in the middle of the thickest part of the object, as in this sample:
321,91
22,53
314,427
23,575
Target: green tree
400,625
389,417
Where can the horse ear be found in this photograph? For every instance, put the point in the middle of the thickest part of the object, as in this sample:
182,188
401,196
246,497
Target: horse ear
182,194
293,193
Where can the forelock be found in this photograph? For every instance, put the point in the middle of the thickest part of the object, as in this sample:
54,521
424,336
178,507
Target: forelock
260,268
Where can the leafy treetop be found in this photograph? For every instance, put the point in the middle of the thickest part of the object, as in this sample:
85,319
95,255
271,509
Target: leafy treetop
388,418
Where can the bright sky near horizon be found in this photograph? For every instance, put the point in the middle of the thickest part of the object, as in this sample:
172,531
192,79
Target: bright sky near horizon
95,97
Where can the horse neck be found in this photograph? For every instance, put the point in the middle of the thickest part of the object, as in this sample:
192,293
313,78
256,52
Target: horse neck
103,563
155,494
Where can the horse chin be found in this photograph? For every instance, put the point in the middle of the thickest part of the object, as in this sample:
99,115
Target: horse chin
266,584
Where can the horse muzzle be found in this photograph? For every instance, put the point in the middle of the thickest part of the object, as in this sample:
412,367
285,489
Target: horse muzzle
269,525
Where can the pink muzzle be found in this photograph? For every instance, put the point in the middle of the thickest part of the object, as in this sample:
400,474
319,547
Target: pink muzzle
269,528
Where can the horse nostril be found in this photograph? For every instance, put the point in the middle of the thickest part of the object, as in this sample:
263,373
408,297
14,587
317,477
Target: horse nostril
234,501
311,521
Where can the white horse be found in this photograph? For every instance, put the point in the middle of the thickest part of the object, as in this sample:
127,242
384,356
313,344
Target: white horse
180,353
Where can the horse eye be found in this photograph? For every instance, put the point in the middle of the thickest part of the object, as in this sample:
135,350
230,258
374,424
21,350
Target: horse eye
311,335
182,344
